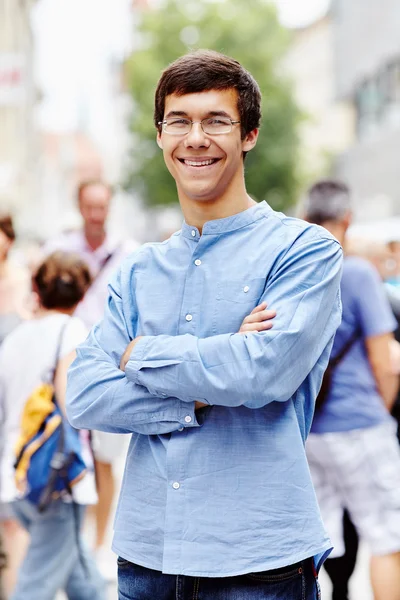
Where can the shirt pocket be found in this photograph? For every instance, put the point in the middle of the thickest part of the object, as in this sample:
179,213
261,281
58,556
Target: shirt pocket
241,291
236,298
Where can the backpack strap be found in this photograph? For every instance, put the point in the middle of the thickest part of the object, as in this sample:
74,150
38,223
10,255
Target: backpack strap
104,264
333,362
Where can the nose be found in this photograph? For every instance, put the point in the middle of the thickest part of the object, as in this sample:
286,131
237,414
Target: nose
196,138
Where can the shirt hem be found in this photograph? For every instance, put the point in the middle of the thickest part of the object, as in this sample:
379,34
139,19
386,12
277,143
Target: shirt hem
284,562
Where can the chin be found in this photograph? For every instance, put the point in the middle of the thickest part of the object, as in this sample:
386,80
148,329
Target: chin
204,195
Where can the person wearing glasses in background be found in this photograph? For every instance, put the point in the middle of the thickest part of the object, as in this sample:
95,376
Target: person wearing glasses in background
217,501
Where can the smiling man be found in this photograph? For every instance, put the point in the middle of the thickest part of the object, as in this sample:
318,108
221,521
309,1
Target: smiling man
217,501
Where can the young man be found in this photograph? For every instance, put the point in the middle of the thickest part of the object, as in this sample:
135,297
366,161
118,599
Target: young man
353,451
103,254
217,501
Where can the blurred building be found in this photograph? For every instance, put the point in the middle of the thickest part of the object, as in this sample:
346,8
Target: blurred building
367,57
18,164
328,124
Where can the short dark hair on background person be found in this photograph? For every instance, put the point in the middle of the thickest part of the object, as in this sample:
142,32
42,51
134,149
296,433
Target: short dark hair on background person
61,280
327,200
206,70
89,182
7,227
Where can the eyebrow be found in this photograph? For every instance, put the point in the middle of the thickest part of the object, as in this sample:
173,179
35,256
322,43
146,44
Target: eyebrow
211,113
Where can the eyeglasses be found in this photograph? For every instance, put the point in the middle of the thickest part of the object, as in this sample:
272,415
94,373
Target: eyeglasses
210,126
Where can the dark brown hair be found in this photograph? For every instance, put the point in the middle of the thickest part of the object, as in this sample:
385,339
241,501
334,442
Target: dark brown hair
88,182
7,227
206,70
61,280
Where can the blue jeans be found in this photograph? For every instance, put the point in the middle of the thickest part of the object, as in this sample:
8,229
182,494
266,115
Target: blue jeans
296,582
52,561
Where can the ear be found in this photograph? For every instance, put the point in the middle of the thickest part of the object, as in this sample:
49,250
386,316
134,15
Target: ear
347,219
250,140
159,140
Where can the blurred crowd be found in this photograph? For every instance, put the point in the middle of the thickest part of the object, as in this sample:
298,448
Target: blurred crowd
46,310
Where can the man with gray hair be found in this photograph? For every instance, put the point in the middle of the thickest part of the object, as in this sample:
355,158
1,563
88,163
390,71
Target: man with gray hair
353,451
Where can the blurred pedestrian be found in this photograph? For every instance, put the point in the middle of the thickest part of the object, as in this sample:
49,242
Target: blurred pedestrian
14,307
3,562
352,449
103,254
217,500
14,281
56,557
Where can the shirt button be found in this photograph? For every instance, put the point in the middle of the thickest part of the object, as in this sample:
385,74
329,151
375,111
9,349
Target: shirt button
193,233
188,317
176,485
181,428
246,289
188,419
197,262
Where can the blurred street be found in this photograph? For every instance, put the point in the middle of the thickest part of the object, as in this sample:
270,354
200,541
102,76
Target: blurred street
88,144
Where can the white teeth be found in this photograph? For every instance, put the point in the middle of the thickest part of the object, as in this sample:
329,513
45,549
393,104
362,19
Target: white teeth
198,163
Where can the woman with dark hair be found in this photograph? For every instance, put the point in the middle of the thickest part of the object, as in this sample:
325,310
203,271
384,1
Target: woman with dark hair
55,558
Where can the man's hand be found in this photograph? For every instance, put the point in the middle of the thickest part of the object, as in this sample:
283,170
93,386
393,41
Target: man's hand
259,319
126,355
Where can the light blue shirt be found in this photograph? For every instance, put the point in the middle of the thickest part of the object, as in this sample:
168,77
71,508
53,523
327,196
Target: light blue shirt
225,491
354,401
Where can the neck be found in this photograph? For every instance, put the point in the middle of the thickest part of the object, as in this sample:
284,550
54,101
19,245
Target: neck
199,212
44,312
95,240
337,229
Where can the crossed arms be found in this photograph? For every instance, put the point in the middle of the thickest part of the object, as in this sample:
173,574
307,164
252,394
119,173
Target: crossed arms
165,375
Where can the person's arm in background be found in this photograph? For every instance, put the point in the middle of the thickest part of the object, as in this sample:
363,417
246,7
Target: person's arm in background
380,357
377,322
60,381
254,370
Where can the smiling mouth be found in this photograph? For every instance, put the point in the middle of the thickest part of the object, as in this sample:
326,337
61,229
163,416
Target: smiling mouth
198,163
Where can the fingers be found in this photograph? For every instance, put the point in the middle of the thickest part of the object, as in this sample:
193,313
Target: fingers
254,327
259,308
258,317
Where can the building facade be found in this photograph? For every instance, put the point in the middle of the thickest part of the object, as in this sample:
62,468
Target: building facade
367,64
17,100
327,127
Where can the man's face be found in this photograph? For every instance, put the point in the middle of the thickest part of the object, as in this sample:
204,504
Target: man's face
94,205
205,167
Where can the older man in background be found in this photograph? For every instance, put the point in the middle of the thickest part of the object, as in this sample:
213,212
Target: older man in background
352,450
103,254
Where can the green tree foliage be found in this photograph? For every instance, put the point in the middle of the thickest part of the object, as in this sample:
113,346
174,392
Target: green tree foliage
249,31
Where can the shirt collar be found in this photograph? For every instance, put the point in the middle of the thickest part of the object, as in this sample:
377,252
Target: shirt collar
218,226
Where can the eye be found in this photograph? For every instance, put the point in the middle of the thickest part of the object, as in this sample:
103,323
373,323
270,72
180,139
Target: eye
217,122
178,122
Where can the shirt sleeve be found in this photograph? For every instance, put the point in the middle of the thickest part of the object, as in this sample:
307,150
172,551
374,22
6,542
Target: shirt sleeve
99,395
371,303
257,368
